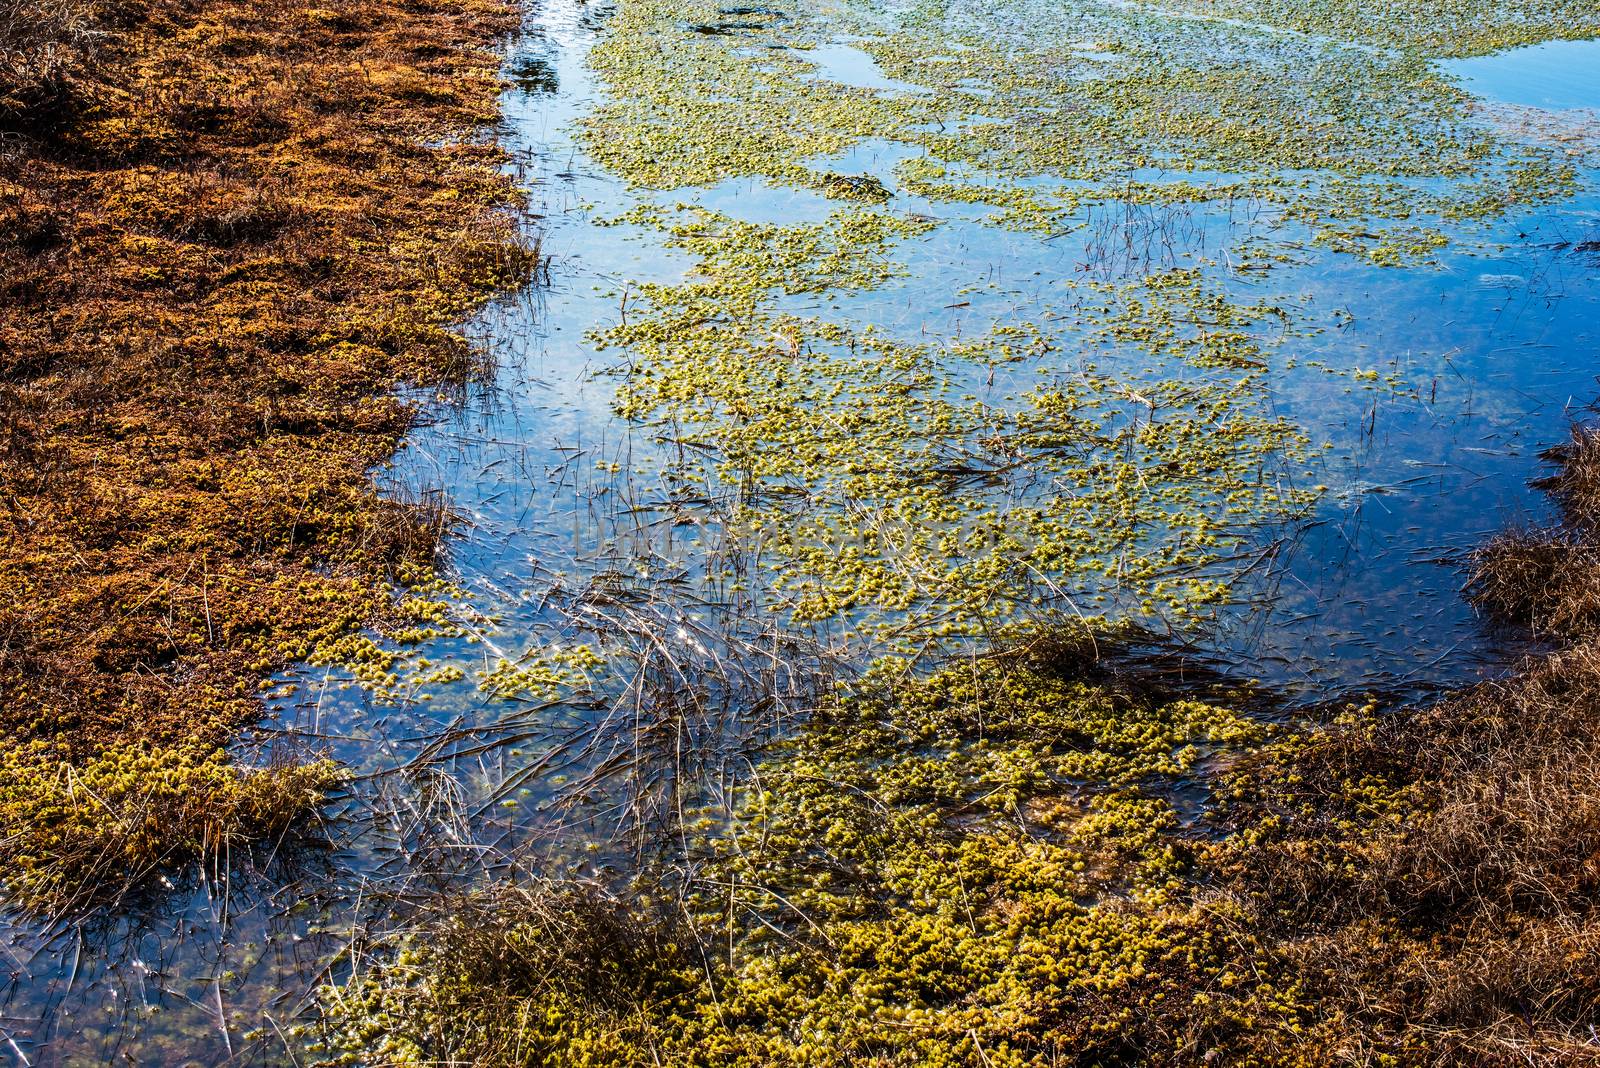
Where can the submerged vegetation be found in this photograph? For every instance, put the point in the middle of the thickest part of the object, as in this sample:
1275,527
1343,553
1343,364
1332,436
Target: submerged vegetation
227,232
1042,852
974,819
1038,857
1109,441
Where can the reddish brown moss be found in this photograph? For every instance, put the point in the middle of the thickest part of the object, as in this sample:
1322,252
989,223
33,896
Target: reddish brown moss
223,242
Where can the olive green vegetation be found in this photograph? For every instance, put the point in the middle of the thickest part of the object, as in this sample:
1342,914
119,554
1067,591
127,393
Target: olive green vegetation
116,819
881,488
1035,856
896,482
1113,102
228,231
981,860
989,867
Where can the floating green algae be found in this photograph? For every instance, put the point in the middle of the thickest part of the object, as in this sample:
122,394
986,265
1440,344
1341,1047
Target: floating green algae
1086,95
1013,860
920,486
987,867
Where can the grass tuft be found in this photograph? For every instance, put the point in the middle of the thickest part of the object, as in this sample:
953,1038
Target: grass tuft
518,975
1548,579
44,44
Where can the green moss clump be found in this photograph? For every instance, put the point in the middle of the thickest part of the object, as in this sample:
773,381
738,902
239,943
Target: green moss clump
978,868
520,975
69,832
922,878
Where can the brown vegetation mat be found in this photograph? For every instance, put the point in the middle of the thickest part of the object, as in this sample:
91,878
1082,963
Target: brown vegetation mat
1549,579
228,229
1426,885
1427,882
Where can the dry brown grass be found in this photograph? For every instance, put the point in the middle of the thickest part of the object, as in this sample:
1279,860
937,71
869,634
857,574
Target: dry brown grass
1576,482
43,43
1548,579
1430,878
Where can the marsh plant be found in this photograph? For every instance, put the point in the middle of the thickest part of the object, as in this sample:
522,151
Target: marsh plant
1005,863
1003,839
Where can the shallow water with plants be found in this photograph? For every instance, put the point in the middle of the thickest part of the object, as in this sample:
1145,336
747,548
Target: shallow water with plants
874,338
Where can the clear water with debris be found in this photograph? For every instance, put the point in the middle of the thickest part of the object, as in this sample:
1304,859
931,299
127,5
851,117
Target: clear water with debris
1454,375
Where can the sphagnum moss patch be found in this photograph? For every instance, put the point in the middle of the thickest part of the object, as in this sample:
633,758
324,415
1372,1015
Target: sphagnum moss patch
978,865
986,867
227,232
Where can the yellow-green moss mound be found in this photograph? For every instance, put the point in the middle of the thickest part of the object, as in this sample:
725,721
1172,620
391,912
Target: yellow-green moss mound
1012,863
114,819
971,869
